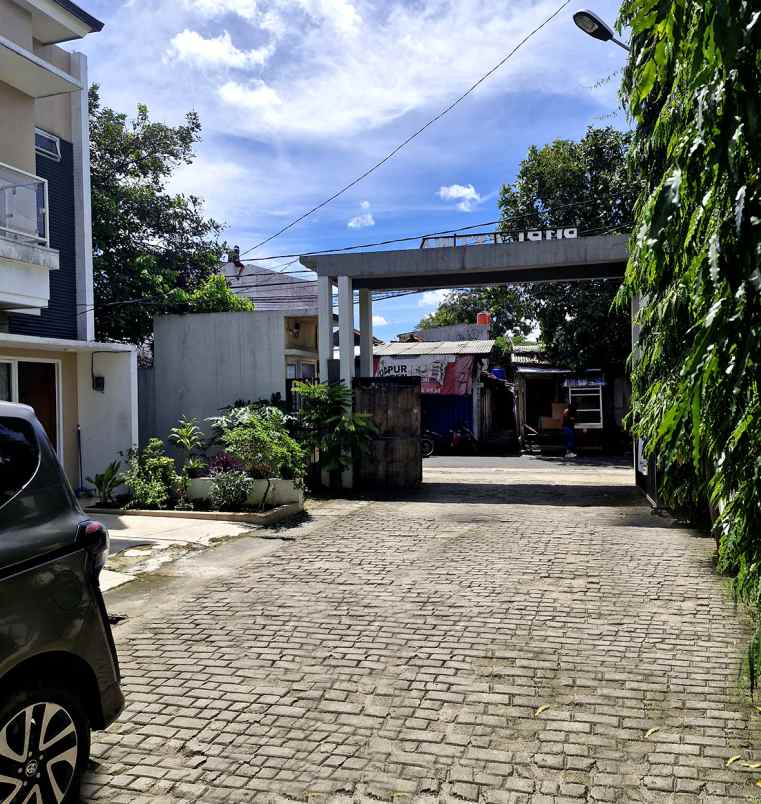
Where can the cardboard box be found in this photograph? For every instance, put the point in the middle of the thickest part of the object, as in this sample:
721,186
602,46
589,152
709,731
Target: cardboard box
557,409
550,423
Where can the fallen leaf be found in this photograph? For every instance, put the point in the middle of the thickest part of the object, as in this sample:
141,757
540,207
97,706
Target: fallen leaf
541,709
752,765
734,759
652,731
758,782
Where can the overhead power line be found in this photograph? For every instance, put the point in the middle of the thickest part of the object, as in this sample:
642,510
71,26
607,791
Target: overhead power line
412,136
410,238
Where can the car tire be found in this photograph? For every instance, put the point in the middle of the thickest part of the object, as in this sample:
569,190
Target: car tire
52,722
427,447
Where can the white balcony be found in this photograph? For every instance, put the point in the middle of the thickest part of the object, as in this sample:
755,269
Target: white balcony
28,73
26,258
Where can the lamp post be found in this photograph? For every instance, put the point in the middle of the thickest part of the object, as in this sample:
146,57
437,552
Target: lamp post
593,25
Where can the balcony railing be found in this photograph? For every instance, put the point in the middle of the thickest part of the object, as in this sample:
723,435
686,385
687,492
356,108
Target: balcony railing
23,206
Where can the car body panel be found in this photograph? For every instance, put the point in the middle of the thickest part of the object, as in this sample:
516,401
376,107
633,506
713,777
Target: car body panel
50,603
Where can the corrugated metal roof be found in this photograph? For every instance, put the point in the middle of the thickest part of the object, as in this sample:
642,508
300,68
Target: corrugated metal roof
436,348
272,290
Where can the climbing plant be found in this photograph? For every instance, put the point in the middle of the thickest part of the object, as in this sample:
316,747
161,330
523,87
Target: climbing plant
691,86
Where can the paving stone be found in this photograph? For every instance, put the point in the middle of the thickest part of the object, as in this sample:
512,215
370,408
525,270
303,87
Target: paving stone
400,650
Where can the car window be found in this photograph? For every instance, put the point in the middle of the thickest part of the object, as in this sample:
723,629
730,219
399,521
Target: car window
19,456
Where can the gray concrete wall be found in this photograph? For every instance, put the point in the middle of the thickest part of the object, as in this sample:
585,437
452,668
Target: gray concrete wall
205,361
455,332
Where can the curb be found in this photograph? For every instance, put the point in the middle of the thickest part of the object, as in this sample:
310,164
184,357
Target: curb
279,514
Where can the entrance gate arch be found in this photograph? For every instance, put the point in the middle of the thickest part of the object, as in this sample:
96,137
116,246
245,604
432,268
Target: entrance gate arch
497,263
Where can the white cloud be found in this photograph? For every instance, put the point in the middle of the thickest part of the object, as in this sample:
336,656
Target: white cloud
257,97
216,8
379,321
364,220
464,193
216,51
432,298
361,221
340,14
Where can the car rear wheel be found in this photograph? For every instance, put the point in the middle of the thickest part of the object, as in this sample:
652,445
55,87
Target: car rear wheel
427,447
44,746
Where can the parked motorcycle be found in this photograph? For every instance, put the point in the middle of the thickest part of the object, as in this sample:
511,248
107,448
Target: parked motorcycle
428,443
460,440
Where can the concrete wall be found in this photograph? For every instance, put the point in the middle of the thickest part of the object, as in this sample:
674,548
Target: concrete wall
53,114
16,128
203,362
20,113
108,420
16,23
455,332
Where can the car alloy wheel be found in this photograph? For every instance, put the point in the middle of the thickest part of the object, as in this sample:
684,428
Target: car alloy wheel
39,750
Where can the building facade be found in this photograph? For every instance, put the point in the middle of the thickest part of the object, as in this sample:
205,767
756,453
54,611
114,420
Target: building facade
84,392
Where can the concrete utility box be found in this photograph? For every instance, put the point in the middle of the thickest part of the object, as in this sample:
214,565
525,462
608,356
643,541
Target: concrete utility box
395,460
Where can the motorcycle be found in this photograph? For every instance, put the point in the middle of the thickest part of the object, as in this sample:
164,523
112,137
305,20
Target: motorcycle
460,440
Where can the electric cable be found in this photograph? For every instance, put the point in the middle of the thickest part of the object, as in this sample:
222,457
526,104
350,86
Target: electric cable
412,136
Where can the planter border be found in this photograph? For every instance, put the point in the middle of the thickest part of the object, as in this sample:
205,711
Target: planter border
279,514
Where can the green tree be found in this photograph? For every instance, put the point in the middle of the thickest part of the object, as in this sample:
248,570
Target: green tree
587,184
213,295
692,87
511,308
146,241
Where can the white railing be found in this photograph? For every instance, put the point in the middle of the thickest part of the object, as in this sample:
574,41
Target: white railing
23,206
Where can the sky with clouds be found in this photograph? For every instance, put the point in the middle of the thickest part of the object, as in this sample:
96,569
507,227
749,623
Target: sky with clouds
298,97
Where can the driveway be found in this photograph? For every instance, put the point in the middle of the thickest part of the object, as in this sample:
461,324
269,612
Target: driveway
512,632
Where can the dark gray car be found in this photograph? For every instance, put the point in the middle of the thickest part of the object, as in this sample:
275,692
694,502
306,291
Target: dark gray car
59,673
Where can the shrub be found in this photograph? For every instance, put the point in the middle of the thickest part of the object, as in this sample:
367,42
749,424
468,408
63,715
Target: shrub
229,490
327,424
151,477
224,462
265,449
106,482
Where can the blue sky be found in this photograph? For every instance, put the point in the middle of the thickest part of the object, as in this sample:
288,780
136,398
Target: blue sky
297,97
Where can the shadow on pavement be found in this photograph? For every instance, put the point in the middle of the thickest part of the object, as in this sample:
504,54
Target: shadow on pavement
570,495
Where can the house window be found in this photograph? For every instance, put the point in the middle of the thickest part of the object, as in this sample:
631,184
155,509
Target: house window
35,383
47,144
300,369
588,402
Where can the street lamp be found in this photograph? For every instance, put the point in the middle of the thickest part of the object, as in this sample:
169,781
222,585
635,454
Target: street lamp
595,26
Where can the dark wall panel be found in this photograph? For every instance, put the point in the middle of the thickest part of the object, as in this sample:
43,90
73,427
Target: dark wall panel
59,320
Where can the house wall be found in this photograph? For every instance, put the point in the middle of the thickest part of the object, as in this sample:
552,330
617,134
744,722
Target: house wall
16,23
16,109
59,319
205,361
67,399
108,419
307,337
53,114
16,128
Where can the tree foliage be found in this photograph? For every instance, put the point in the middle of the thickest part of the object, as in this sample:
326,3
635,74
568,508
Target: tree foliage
511,309
586,184
692,88
146,241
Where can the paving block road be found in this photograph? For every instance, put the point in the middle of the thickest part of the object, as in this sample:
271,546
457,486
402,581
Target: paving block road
515,631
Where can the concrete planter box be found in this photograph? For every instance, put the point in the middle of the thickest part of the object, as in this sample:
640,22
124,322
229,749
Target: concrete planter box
282,492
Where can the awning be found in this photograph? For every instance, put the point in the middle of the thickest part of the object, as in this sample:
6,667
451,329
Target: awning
539,370
9,341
